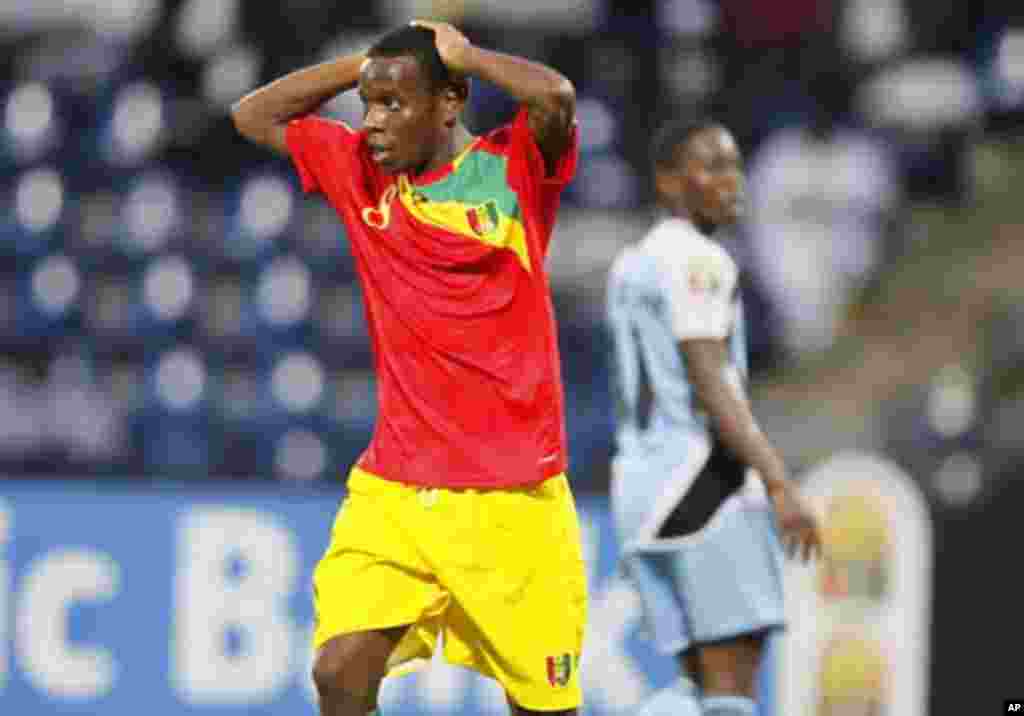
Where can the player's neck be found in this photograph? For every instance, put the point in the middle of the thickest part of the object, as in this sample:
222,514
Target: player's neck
458,140
705,227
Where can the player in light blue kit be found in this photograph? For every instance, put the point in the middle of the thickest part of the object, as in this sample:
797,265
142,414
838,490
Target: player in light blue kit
699,496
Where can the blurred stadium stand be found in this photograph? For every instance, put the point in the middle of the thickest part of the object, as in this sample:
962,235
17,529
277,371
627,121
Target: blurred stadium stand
138,230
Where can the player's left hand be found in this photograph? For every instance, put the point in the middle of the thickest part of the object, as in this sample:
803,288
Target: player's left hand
798,525
451,44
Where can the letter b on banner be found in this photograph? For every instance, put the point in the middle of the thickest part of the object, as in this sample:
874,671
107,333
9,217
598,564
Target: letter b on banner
232,631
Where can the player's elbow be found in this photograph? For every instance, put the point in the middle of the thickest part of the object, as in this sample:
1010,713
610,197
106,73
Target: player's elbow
243,120
563,96
248,123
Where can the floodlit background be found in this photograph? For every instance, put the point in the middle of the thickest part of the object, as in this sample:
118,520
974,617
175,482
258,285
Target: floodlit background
182,337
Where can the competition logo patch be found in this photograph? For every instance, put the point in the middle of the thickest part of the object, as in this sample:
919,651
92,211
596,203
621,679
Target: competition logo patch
559,669
704,276
483,219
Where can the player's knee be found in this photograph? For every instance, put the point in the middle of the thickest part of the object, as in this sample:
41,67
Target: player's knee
735,677
730,668
329,670
737,682
347,666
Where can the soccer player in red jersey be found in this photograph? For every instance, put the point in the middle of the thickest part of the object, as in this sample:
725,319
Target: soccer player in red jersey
459,520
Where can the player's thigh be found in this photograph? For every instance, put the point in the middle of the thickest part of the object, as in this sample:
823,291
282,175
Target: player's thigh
730,666
519,615
372,576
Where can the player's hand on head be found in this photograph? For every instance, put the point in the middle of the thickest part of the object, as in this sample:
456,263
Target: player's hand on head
451,44
801,534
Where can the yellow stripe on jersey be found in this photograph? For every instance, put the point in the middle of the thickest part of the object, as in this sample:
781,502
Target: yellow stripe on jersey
497,229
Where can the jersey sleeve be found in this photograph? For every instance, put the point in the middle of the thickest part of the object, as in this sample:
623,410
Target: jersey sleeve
524,143
702,290
529,175
314,144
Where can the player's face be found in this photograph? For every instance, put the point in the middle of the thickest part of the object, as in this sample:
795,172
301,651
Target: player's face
714,177
404,118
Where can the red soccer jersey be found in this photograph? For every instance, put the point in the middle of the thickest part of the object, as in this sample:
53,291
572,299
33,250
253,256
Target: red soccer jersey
451,265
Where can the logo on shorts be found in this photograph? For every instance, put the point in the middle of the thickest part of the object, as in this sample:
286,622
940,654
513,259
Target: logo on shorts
559,669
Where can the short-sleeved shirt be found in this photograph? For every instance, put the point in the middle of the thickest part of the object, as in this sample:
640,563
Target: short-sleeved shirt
451,265
675,285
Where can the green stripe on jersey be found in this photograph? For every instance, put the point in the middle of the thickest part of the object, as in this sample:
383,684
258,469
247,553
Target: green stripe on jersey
479,178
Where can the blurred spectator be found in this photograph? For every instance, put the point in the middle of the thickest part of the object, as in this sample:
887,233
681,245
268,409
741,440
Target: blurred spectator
22,423
86,424
819,195
766,50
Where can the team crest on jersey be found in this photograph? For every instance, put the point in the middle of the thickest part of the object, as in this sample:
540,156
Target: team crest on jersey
559,669
483,219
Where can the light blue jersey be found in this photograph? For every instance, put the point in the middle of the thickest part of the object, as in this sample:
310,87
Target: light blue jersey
724,578
674,285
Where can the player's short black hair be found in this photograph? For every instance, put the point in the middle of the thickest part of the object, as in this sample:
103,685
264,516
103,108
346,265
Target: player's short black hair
416,42
672,135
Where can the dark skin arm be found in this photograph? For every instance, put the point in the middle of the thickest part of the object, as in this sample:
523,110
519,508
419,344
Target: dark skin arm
734,422
262,115
549,96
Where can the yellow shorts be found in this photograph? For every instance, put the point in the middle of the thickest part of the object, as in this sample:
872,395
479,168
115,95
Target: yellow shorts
498,573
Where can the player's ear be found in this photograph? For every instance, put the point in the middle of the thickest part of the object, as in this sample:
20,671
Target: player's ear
458,85
666,183
455,95
694,176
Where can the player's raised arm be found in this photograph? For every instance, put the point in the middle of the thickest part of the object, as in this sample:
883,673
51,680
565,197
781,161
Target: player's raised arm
549,96
261,116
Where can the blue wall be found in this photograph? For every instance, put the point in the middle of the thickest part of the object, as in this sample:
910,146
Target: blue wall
117,599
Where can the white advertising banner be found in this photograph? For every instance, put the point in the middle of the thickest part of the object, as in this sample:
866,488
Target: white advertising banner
857,643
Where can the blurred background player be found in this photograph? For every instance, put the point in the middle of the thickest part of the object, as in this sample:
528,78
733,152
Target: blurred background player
449,232
700,538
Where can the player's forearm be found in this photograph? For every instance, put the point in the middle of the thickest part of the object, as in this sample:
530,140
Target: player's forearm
538,86
263,111
737,428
